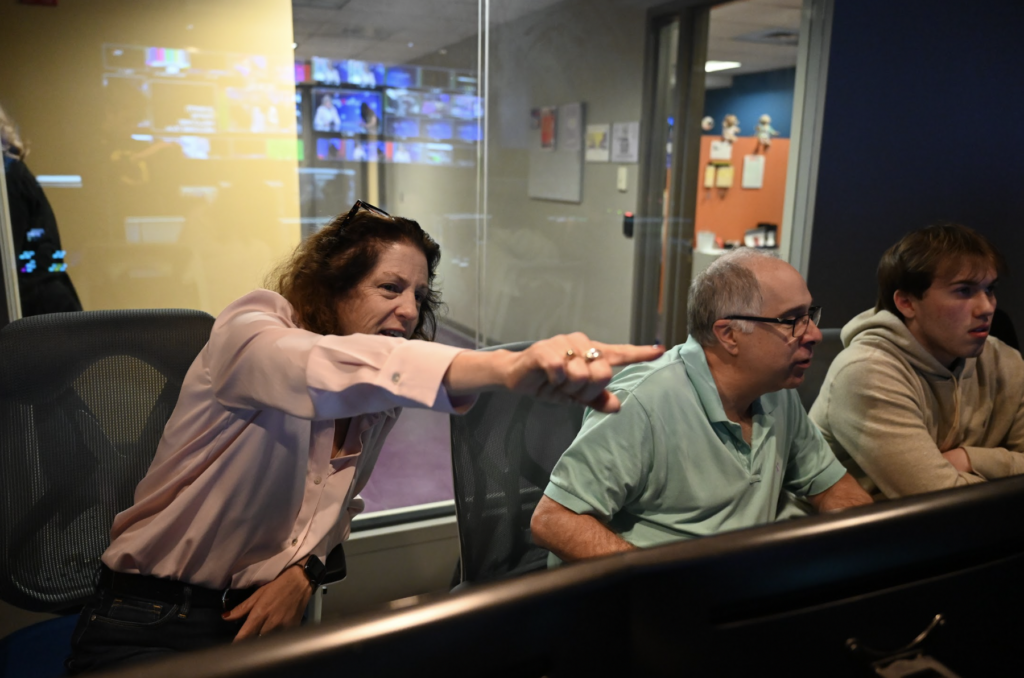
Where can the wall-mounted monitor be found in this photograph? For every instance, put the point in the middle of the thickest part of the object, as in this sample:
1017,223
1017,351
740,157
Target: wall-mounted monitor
347,111
436,154
436,78
302,72
438,130
403,152
330,149
402,102
466,106
167,59
365,151
189,107
468,131
402,77
360,73
402,128
324,71
435,104
465,81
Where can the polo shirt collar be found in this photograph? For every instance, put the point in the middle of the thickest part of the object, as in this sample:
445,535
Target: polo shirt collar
699,374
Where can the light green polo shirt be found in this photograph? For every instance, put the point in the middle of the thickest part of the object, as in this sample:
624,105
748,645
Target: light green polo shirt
671,466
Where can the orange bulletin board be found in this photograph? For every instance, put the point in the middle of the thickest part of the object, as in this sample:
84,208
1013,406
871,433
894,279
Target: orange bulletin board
730,212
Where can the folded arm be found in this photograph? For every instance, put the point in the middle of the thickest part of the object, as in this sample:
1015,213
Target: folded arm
872,414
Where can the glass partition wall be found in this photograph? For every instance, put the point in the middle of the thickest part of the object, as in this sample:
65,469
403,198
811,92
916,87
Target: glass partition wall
186,148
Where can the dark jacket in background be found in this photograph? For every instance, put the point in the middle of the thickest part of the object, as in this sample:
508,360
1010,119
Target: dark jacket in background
34,229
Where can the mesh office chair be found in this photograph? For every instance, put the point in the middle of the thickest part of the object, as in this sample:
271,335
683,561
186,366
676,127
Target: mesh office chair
503,451
84,398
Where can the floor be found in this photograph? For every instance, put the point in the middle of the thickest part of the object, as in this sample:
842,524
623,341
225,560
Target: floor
415,464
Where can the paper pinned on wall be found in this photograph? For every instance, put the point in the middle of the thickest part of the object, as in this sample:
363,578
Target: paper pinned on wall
598,143
709,176
723,178
571,121
753,171
625,142
721,150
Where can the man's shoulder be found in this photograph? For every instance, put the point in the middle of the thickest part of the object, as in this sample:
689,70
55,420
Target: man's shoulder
651,377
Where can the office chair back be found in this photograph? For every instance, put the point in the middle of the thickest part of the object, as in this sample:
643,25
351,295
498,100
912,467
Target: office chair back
503,451
84,398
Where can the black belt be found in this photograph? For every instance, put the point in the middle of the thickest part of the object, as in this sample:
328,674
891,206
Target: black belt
168,590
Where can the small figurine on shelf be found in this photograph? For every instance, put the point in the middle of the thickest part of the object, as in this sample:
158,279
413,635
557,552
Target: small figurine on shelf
730,128
765,132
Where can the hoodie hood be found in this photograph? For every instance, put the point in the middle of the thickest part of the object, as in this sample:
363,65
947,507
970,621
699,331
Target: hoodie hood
885,330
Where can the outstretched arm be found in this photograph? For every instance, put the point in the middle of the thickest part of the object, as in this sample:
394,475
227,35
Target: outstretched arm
548,370
573,536
846,493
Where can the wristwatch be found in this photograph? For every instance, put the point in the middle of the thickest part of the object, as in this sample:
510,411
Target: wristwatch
315,571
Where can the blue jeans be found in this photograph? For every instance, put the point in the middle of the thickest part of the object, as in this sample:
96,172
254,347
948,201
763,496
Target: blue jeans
114,630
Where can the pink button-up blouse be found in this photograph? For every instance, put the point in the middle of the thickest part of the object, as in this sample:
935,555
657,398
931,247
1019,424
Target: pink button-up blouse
243,485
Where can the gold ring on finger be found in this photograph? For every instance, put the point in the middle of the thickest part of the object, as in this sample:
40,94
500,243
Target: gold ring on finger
592,355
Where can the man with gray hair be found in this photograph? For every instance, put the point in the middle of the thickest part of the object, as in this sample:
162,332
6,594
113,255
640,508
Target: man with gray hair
709,436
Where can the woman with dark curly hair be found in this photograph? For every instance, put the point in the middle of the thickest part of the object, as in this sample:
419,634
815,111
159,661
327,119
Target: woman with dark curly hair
277,428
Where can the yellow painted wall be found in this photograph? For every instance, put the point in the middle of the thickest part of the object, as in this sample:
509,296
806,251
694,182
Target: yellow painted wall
152,227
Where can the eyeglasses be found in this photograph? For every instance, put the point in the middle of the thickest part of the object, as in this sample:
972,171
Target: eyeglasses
360,205
799,323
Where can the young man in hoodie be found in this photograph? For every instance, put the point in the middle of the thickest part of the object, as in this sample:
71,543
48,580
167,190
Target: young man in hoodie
922,398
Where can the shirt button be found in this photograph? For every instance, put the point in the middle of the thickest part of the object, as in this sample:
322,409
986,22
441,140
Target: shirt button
396,377
317,479
294,542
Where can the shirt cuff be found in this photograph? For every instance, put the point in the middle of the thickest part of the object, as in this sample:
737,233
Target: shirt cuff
416,370
990,462
570,501
826,479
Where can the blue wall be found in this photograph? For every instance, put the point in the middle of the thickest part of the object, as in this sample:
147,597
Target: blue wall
922,123
750,97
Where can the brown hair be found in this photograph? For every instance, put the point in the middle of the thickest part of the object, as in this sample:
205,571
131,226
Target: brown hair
912,264
329,264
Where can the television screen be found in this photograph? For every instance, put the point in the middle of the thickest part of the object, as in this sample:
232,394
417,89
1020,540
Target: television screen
347,111
168,59
435,78
402,128
402,77
437,154
301,72
465,81
467,107
435,105
403,152
365,151
360,73
126,100
330,149
324,71
298,111
402,102
468,132
184,106
437,129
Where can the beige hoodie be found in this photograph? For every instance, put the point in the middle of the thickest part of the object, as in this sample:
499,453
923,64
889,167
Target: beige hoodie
889,409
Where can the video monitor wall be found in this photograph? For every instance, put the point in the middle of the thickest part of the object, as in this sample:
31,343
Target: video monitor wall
369,112
213,105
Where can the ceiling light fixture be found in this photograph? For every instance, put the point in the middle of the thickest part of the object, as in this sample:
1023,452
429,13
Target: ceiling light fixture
712,66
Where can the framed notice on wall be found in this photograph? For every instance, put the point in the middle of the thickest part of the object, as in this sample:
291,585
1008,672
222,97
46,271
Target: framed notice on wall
556,154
